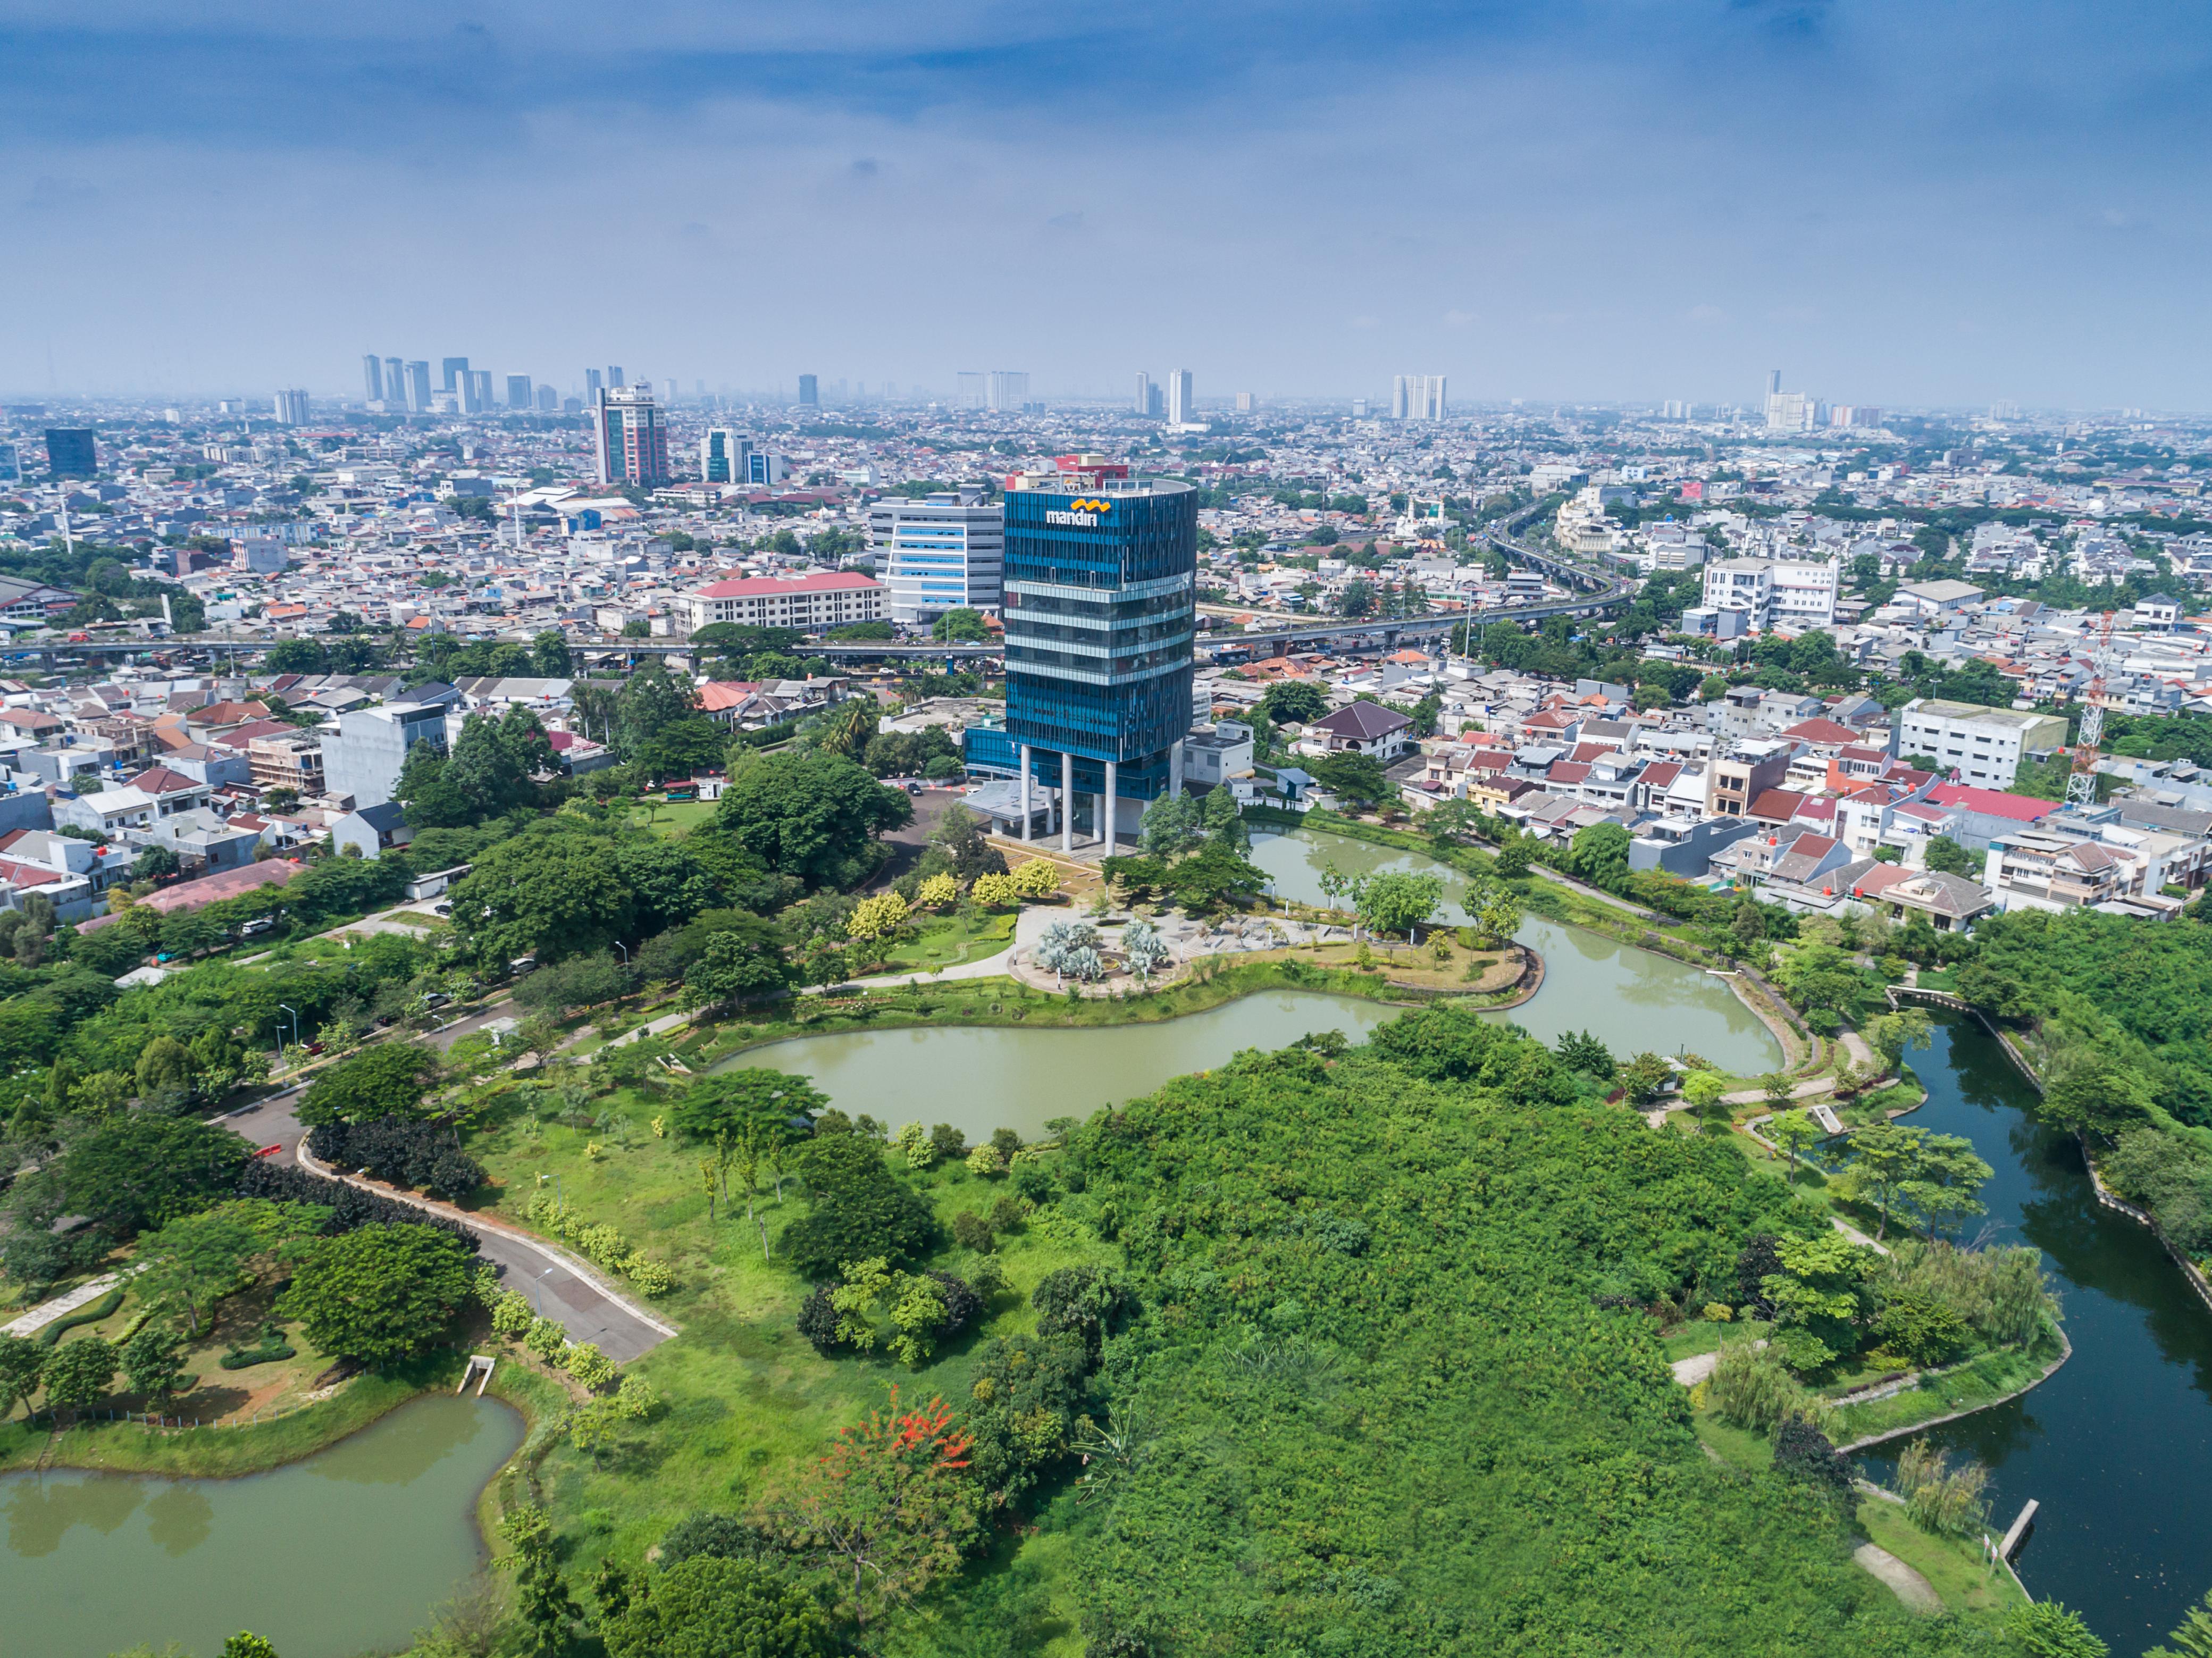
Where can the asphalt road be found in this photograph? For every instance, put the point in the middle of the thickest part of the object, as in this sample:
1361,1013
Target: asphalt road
560,1290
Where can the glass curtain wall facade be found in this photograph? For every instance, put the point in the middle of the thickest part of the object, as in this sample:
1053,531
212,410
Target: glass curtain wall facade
1099,597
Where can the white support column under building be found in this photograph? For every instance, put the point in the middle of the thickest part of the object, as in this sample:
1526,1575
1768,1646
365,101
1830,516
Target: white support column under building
1175,769
1025,791
1067,803
1106,818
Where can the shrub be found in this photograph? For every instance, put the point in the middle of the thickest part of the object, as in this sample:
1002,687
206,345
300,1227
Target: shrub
546,1338
1914,1325
1089,1301
818,1322
1751,1389
591,1367
1940,1498
719,1537
985,1161
970,1230
963,1306
650,1277
511,1314
1802,1452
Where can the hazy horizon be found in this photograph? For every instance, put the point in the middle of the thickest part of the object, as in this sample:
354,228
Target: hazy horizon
1611,202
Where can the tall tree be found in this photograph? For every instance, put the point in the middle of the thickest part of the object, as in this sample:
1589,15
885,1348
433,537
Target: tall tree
650,701
548,895
893,1504
549,656
814,815
381,1293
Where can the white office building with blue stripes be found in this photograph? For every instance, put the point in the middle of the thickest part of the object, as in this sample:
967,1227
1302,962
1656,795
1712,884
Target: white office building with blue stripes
941,552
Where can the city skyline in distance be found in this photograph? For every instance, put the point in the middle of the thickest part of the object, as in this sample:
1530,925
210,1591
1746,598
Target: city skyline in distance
1597,202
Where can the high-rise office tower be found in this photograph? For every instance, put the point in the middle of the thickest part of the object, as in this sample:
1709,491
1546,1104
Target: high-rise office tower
614,374
592,382
722,453
70,452
549,400
1144,404
1181,408
1009,390
1247,402
1773,382
519,394
1417,397
11,463
1099,581
476,397
628,437
395,382
810,395
938,554
418,387
456,373
372,377
969,388
291,408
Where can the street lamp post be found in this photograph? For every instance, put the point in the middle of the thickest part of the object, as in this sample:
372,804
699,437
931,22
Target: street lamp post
294,1012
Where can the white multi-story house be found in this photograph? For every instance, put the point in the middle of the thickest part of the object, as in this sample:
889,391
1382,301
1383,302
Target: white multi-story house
1985,746
1793,595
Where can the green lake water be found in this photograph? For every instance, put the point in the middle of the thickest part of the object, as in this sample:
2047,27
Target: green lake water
342,1553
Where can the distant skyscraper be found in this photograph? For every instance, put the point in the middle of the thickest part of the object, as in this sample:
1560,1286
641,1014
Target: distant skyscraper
11,463
395,382
418,387
722,453
1247,402
1773,381
615,374
1417,397
1787,411
518,395
70,453
291,408
1181,407
476,391
631,443
1009,390
456,370
372,377
549,400
592,382
1144,404
970,389
810,395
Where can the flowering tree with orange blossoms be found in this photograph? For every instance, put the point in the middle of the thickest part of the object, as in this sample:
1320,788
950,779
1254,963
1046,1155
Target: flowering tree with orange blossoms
894,1501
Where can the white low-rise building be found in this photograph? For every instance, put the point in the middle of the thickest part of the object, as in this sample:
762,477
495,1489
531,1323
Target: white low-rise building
811,604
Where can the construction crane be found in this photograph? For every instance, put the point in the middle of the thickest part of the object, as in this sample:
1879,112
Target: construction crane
2082,780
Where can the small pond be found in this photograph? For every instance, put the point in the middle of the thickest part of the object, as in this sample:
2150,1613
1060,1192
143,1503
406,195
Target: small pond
342,1553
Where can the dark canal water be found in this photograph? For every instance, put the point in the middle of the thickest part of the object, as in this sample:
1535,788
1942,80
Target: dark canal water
2117,1445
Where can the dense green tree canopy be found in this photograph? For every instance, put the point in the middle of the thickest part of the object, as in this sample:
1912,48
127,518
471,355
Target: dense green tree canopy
547,895
1384,1408
144,1170
379,1294
386,1080
815,816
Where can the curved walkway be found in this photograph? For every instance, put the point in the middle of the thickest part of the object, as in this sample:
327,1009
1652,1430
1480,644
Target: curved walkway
563,1285
1908,1585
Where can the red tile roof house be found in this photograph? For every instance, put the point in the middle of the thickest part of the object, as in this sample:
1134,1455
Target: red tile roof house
210,889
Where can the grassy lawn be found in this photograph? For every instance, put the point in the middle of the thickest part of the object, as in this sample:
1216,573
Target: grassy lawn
1981,1382
1699,1336
749,1402
663,818
1955,1567
945,941
1738,1448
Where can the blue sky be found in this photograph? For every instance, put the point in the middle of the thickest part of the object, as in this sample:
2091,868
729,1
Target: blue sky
1895,203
